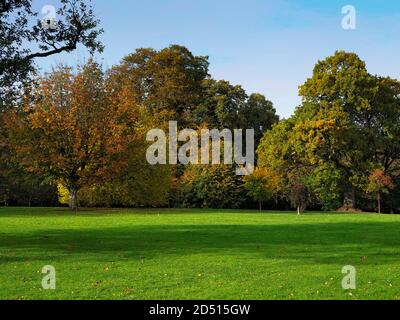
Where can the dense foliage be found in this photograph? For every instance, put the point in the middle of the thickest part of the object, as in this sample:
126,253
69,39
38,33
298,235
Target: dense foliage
347,126
83,130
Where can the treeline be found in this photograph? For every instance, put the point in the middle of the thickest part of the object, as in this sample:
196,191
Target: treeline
79,136
84,131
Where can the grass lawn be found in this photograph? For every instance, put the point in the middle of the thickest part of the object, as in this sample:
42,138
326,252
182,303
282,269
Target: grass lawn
197,254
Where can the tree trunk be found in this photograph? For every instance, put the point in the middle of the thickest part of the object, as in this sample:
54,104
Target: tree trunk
379,202
73,198
259,205
349,203
298,211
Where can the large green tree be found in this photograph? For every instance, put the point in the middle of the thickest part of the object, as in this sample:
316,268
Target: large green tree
166,80
341,129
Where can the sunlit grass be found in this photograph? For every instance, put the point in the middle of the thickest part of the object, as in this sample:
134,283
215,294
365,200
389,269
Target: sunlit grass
197,254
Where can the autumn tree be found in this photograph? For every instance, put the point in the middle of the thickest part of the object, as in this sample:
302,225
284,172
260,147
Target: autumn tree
138,183
379,182
25,38
74,133
262,185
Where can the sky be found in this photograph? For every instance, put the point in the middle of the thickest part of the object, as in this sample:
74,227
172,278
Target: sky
267,46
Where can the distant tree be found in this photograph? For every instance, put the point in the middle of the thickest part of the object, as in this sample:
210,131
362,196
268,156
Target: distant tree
226,102
298,194
212,186
228,106
74,133
259,114
379,183
262,185
278,153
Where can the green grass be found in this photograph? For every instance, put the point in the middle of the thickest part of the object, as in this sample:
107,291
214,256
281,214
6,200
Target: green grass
197,254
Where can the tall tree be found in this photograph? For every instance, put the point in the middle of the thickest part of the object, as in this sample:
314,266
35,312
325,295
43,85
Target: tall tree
166,80
24,37
341,128
74,133
278,153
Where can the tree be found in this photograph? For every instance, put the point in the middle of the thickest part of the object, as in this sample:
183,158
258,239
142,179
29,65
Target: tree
258,114
166,80
279,152
23,38
262,185
212,186
378,183
367,108
298,197
18,187
138,183
228,106
340,83
341,128
75,132
74,23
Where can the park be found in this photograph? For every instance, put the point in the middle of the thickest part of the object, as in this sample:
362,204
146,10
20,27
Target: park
285,187
197,254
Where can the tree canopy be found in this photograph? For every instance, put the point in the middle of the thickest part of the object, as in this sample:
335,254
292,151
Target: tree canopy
340,132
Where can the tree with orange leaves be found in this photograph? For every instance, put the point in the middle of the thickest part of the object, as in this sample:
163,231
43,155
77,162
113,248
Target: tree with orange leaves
78,130
379,182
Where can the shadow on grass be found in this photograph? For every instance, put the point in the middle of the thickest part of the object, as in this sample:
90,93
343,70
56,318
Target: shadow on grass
332,243
9,212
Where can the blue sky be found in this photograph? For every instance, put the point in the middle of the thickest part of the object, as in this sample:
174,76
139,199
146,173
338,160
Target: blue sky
267,46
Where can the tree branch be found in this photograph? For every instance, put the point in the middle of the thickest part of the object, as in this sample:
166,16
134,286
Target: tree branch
69,47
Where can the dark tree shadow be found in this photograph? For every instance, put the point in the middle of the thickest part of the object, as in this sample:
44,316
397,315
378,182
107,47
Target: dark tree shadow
329,243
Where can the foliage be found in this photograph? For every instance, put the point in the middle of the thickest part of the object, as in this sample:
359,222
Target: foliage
166,80
19,24
228,106
19,188
341,128
379,182
262,185
75,133
63,194
212,186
